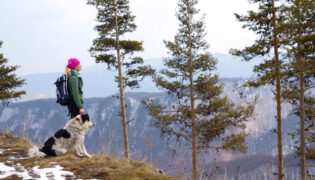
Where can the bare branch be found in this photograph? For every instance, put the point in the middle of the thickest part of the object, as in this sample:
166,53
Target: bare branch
195,73
178,134
308,88
181,93
130,121
210,147
198,97
312,107
310,165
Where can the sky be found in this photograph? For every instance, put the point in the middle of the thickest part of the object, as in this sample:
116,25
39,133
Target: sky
40,35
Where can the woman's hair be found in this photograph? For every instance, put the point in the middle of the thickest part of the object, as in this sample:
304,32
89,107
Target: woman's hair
68,72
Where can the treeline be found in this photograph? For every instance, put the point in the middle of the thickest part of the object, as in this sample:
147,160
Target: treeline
201,115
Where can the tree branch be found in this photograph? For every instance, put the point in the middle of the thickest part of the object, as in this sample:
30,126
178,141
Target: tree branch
306,106
169,111
195,73
210,147
308,88
178,134
220,127
211,129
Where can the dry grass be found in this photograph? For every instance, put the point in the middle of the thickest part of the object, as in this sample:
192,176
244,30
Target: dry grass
99,167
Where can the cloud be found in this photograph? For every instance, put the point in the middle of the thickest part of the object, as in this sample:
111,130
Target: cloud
32,96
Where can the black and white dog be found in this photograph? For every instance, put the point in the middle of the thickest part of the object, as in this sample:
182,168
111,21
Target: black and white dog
68,139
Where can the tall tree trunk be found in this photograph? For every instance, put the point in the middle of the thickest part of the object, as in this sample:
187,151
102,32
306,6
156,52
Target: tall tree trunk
302,108
278,94
121,88
302,121
192,102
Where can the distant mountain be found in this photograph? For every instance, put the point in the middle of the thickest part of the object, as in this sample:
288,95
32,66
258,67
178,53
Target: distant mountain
231,66
39,119
99,82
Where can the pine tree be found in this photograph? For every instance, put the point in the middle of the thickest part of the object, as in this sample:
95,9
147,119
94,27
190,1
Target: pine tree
265,23
9,81
298,32
115,21
200,115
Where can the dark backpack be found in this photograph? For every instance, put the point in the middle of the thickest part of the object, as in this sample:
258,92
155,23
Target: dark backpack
62,93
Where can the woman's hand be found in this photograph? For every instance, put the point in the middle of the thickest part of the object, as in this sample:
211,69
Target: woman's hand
81,111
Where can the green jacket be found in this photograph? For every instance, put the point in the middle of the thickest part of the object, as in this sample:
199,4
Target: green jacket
75,89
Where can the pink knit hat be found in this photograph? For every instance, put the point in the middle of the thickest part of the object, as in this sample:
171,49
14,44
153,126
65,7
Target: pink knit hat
73,63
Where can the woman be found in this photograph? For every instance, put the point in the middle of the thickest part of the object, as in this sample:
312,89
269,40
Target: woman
75,85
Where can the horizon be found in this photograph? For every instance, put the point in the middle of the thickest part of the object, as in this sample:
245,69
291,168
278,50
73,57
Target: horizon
220,71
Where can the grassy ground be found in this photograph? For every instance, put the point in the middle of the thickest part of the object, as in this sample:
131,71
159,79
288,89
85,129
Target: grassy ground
98,167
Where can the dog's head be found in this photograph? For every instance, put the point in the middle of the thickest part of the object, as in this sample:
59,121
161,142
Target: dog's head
84,120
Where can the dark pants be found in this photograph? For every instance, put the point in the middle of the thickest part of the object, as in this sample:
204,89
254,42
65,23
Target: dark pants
73,110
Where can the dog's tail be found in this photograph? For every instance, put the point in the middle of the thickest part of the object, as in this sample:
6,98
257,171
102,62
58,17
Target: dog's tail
34,152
